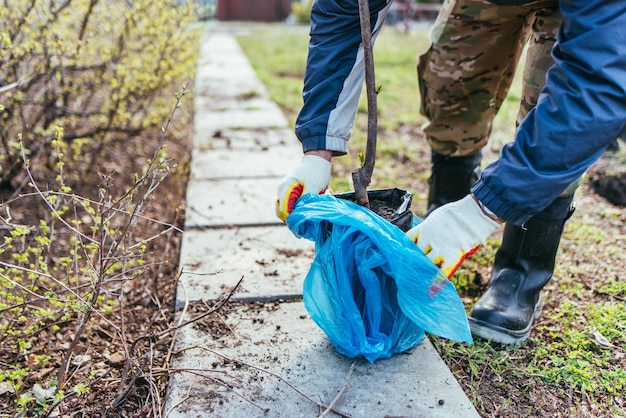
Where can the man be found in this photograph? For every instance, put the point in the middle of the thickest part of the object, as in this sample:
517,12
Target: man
579,112
464,78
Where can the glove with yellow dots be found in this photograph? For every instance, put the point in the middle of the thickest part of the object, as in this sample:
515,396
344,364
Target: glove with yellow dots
453,232
311,176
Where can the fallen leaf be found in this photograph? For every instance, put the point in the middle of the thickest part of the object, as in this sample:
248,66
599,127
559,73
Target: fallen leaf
117,359
601,340
42,393
6,388
80,359
40,374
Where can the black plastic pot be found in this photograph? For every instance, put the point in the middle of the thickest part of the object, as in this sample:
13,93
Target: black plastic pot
393,205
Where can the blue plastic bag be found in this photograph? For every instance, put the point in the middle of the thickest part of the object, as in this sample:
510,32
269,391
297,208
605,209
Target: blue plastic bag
370,288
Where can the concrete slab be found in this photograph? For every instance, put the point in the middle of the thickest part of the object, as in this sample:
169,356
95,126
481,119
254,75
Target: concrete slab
257,138
253,354
271,260
223,70
267,116
253,139
226,164
237,202
248,102
273,357
217,85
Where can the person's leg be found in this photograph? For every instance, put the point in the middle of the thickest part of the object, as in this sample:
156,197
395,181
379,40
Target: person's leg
523,265
464,77
525,261
545,23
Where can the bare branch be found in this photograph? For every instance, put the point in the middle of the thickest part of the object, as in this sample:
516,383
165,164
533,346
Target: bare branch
340,393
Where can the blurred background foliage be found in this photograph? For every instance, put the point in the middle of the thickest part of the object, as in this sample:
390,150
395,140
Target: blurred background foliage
99,70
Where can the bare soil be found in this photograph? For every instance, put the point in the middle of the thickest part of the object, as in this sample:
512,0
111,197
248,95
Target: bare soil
125,379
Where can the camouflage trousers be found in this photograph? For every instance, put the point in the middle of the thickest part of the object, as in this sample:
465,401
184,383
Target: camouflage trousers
466,74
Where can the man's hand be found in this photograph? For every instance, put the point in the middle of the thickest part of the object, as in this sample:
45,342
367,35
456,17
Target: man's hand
453,232
311,176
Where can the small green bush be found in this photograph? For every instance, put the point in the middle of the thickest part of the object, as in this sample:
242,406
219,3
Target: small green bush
87,92
97,69
302,11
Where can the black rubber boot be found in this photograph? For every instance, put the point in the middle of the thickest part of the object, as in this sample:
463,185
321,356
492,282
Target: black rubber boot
522,267
451,178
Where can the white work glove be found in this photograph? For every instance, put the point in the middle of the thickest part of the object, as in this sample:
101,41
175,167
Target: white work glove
311,176
453,232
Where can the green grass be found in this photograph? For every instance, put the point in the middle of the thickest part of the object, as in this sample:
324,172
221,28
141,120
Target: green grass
576,358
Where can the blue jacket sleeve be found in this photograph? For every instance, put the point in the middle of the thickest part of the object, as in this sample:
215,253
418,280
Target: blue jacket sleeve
581,109
334,73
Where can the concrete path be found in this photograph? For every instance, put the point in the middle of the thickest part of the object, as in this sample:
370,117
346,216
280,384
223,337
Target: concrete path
261,355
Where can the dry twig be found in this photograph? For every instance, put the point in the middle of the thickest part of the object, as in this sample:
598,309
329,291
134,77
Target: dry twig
340,393
277,376
125,387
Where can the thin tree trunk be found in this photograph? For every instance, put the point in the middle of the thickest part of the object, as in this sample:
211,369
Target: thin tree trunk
362,177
